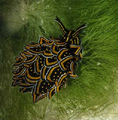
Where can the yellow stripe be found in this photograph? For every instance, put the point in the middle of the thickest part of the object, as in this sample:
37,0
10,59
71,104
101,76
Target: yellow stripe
41,97
62,62
30,59
77,40
60,43
53,50
37,65
77,47
19,72
50,72
25,65
26,53
68,36
59,56
49,43
30,45
42,39
50,63
60,82
73,76
31,77
77,50
76,59
32,50
24,84
23,89
76,32
80,55
38,86
43,72
15,64
31,81
62,28
51,92
62,79
48,54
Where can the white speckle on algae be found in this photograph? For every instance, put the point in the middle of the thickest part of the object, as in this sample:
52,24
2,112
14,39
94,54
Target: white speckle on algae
98,63
70,8
41,21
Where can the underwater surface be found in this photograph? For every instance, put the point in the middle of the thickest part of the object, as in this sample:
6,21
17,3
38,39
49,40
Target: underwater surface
94,94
